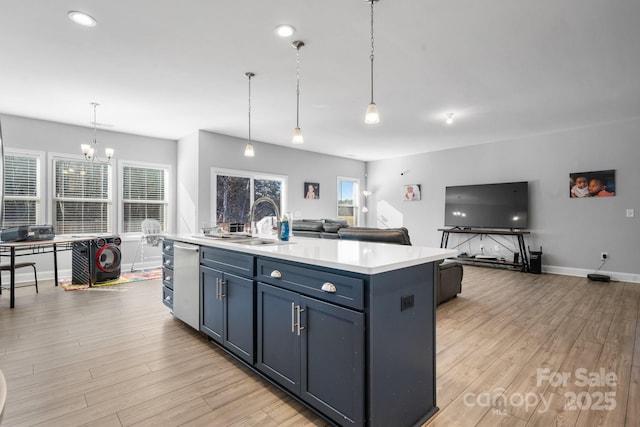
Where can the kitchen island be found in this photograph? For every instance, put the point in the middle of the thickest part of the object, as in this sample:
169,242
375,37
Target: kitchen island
345,327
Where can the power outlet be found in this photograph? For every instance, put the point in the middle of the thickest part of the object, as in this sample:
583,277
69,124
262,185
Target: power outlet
604,256
406,302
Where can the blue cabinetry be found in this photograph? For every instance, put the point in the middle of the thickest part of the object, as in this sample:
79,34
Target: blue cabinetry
311,336
167,273
357,348
227,301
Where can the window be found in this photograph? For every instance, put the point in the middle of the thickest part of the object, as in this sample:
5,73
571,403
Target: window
21,189
144,195
81,197
235,191
348,199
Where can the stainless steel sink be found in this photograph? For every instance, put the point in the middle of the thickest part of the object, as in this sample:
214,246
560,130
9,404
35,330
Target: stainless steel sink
256,241
228,237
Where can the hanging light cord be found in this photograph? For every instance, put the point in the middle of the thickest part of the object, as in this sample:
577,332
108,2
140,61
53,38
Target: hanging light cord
249,75
298,86
372,56
95,123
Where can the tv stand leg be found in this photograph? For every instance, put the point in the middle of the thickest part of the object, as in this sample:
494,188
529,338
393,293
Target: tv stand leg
523,254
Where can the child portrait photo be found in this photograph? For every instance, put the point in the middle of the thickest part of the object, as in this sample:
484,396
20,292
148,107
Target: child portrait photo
592,184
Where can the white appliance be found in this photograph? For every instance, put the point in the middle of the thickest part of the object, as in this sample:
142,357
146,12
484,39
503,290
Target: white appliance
186,283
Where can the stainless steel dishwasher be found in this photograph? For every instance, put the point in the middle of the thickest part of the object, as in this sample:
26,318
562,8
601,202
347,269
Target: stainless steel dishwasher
186,283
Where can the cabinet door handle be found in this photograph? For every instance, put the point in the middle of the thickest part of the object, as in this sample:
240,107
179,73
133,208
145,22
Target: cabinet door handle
300,310
217,288
187,248
293,317
329,287
223,283
276,274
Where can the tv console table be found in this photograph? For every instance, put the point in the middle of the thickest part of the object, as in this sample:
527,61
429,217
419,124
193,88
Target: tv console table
522,260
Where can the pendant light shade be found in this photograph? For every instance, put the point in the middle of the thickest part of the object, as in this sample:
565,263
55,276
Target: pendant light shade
297,136
372,116
248,149
297,132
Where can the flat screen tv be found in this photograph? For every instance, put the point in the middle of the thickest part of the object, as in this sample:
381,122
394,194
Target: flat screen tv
503,205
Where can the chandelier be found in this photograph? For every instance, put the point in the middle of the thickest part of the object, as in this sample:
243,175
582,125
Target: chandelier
89,150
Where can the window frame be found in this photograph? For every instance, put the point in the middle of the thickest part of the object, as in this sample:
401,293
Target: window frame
356,198
252,175
121,201
53,158
40,204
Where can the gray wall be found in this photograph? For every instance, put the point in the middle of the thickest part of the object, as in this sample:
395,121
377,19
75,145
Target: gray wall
56,138
213,150
572,232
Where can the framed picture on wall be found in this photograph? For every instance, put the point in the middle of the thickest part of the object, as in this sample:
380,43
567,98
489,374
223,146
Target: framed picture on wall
411,192
592,184
311,190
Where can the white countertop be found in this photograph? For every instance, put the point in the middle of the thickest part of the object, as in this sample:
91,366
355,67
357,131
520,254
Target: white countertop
348,255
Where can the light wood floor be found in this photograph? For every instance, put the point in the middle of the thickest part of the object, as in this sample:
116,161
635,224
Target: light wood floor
116,357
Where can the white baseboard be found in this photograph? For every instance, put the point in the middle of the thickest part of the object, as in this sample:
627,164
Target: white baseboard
581,272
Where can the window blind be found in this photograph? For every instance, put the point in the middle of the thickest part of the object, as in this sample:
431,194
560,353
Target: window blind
82,197
21,190
144,195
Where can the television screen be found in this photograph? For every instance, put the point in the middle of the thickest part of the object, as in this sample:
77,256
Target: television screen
487,206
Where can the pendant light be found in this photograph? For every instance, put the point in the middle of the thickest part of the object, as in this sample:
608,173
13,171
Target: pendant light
372,116
297,132
89,150
248,150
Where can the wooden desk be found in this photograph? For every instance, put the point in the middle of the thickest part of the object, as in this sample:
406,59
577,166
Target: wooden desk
522,263
34,247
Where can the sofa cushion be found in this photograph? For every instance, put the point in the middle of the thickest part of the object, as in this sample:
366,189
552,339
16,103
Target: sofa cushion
333,227
307,225
399,236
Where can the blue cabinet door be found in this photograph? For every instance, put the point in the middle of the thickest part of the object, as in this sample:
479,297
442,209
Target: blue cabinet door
333,360
237,295
211,305
278,342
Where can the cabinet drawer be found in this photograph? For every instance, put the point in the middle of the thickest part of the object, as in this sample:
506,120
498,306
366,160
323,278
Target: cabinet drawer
225,260
167,247
167,261
325,286
167,277
167,297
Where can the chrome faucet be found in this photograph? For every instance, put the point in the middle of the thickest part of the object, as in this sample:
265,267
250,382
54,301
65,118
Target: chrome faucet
252,212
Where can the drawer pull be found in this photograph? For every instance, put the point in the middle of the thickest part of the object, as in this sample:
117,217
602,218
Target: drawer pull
167,248
167,262
276,274
167,298
329,287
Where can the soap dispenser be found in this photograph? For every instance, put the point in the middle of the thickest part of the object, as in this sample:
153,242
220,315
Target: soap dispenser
284,228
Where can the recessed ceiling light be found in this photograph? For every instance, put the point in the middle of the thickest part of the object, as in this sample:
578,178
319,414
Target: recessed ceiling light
81,18
285,30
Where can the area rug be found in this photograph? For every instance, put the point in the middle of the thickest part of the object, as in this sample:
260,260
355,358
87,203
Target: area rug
136,276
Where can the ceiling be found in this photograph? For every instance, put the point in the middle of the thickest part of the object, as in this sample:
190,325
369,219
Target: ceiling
506,68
